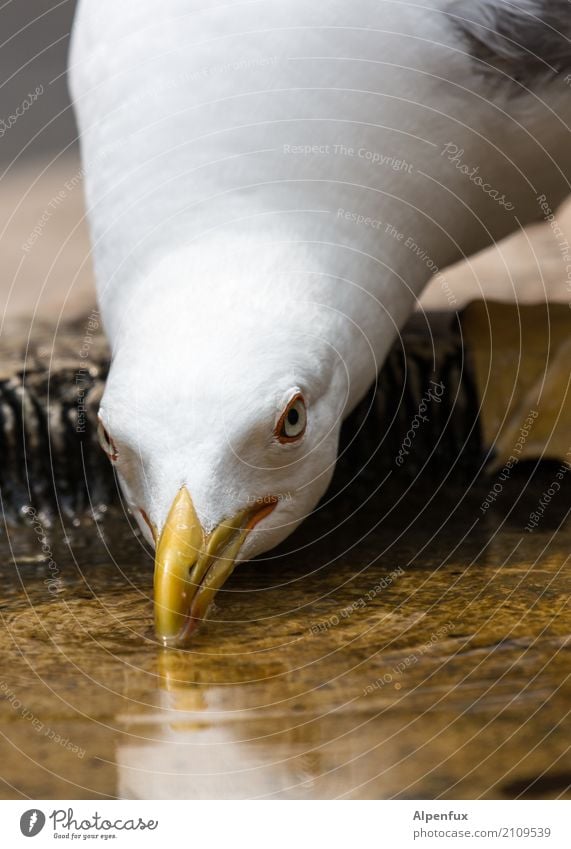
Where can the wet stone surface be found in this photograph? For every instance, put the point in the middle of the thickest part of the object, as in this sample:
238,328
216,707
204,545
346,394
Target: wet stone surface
418,649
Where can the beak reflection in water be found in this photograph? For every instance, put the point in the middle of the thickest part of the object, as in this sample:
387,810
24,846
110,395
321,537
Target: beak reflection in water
190,566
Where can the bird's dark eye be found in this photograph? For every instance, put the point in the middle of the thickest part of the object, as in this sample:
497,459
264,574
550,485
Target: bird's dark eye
293,417
106,441
292,422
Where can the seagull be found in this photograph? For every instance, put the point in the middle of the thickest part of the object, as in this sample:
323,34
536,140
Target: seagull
270,184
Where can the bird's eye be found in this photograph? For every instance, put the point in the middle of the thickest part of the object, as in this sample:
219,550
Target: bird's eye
292,422
106,441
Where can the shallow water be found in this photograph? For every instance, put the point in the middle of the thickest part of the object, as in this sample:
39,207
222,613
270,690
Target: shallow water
418,649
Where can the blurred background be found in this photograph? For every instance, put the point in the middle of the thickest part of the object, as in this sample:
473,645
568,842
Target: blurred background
39,155
44,244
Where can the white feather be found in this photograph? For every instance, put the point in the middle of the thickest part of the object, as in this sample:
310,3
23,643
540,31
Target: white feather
255,173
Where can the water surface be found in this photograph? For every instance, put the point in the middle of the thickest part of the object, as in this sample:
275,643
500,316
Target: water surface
419,648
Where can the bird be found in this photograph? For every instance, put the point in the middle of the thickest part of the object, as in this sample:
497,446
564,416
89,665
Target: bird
270,184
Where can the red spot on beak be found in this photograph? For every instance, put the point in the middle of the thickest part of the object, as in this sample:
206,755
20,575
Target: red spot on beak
148,523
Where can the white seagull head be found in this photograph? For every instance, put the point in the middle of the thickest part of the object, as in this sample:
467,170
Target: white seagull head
221,415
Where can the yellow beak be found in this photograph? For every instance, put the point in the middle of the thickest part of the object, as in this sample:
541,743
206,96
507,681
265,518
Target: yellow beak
190,567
